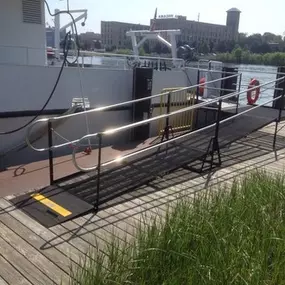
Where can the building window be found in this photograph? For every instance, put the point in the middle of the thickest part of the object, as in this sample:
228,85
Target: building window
32,11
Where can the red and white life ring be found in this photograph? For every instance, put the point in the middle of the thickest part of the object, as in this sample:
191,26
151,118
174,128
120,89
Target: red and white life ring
202,86
253,95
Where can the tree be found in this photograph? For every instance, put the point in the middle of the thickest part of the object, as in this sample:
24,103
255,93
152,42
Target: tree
158,48
97,45
203,48
238,54
211,46
146,47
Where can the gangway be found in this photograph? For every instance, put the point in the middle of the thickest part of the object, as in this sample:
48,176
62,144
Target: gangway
96,185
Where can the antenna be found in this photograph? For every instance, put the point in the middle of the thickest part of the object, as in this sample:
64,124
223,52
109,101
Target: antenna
152,27
198,17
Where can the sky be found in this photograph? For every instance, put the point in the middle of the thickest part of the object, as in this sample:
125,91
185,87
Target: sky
256,17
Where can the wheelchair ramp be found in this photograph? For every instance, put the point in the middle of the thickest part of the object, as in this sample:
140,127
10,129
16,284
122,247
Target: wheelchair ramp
54,205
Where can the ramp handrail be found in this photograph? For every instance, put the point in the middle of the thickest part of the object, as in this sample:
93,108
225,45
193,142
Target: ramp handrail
104,108
193,107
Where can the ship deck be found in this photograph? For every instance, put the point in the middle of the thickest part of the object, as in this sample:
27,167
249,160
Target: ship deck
32,254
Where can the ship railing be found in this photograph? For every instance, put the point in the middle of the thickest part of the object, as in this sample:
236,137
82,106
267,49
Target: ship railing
219,100
21,55
127,61
49,121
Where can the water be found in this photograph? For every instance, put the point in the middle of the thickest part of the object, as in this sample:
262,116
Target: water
261,73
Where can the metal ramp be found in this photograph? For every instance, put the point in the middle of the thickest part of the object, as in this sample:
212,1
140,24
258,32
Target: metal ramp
106,181
126,177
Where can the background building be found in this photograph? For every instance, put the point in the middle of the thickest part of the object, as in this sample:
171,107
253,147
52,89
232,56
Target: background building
195,32
50,37
90,41
114,34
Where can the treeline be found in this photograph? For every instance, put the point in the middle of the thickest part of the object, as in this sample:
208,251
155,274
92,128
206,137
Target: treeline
255,43
241,56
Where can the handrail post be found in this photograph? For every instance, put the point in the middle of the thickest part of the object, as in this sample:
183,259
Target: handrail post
278,119
239,85
100,137
197,98
50,153
167,119
216,147
167,125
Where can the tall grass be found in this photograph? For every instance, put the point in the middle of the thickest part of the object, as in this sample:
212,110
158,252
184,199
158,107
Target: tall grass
234,237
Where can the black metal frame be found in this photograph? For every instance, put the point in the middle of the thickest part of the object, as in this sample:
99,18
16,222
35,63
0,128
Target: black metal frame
100,138
278,119
168,128
239,85
50,153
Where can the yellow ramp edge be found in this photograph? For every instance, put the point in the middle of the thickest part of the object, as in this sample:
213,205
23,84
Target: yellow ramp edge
52,205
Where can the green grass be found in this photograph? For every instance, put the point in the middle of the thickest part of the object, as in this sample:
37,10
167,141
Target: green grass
234,237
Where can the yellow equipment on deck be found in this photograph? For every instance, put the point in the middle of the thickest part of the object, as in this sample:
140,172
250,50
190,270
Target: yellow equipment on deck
178,100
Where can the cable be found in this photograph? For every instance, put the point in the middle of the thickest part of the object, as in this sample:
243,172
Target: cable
189,80
65,53
75,28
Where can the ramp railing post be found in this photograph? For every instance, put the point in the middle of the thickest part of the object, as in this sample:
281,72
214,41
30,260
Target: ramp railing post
239,85
216,147
50,153
167,127
98,171
197,99
278,119
167,111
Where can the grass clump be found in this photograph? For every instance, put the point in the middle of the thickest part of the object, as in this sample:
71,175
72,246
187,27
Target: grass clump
234,237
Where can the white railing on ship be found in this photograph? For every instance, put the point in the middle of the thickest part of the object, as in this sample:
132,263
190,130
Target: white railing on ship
104,108
193,107
21,55
123,60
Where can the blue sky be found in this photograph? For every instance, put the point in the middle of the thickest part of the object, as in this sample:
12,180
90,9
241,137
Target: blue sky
256,17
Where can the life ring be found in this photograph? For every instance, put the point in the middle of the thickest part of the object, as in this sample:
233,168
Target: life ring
253,95
202,87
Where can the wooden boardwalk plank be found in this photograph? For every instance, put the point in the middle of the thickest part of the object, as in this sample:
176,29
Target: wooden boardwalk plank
47,235
2,281
32,254
23,265
10,274
36,241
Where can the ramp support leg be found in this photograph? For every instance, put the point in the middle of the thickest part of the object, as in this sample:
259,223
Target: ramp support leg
214,142
213,148
50,153
98,172
275,134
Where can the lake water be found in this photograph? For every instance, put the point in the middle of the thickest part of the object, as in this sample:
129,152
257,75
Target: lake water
263,74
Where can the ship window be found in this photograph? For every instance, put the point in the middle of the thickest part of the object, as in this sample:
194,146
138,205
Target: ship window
32,11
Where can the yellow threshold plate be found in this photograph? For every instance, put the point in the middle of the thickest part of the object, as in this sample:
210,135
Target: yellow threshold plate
50,204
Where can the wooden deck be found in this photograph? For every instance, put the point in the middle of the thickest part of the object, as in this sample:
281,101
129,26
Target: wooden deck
32,254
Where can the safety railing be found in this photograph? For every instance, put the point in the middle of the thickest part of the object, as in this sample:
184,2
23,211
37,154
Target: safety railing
214,140
165,116
129,60
50,120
